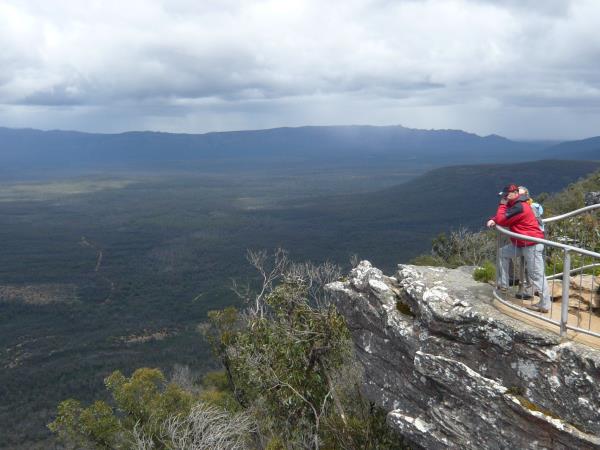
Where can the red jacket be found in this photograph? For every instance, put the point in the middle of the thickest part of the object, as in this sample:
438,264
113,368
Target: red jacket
518,217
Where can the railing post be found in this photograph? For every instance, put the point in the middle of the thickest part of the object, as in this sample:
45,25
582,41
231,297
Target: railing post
522,275
566,279
498,237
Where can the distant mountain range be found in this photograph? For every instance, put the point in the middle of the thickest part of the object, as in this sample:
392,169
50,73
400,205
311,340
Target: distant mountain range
304,146
583,149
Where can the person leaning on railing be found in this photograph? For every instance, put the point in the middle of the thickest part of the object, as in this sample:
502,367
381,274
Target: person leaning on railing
538,211
515,213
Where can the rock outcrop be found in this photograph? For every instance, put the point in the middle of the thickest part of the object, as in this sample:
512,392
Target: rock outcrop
592,198
454,372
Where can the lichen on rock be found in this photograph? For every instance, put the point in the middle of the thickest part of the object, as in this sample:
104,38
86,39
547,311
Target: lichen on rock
456,372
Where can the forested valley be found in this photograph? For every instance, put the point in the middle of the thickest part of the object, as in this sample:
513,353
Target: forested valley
118,270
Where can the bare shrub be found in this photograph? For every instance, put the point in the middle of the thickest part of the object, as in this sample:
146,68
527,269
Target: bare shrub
184,377
314,277
139,440
277,267
464,248
206,427
270,268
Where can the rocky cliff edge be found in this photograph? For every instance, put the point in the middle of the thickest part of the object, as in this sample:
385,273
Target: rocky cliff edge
454,372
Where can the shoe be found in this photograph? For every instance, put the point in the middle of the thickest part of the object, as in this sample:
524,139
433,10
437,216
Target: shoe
501,289
537,307
523,296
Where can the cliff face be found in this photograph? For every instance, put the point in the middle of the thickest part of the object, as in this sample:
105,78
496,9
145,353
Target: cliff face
454,372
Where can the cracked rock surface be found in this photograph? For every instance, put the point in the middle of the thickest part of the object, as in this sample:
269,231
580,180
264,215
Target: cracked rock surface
454,372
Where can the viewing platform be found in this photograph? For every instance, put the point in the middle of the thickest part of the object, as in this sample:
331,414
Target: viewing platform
575,319
571,262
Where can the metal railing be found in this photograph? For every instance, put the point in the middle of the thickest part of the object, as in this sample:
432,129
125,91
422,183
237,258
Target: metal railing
568,235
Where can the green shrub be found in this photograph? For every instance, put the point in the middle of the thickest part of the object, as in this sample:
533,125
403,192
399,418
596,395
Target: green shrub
141,403
427,260
572,197
485,273
366,431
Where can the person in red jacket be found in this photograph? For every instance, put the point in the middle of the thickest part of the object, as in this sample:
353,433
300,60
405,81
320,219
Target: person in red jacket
515,213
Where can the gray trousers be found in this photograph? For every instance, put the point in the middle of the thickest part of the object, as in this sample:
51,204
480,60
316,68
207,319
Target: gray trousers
534,262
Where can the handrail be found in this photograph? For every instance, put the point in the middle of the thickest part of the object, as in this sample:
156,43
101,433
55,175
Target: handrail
565,275
572,213
566,247
575,270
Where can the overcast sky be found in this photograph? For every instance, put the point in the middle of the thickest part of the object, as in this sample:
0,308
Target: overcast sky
519,68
